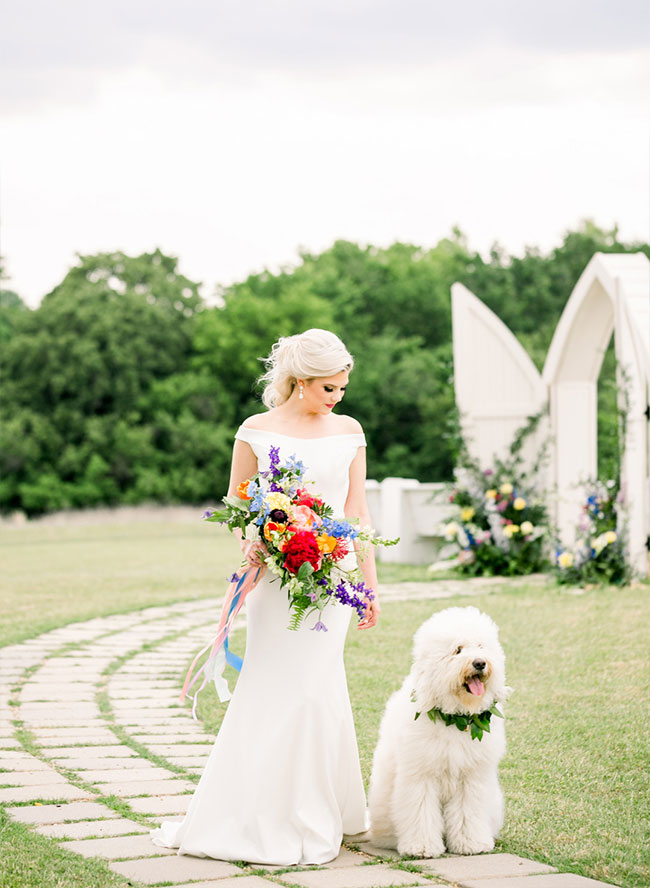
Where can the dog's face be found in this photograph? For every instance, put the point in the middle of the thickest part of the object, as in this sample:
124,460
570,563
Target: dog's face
459,665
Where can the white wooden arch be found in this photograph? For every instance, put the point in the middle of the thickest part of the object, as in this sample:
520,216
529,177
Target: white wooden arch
498,386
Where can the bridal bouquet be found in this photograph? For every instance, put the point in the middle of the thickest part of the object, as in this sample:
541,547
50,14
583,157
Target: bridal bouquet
305,542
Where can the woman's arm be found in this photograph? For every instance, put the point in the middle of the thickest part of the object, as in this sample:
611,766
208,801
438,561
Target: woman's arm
244,466
357,507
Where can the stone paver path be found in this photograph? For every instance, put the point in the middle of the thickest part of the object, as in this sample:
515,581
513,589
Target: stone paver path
95,749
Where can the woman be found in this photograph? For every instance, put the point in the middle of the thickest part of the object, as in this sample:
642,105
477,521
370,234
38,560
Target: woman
283,782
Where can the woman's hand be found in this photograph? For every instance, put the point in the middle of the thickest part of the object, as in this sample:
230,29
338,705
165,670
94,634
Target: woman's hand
372,615
254,552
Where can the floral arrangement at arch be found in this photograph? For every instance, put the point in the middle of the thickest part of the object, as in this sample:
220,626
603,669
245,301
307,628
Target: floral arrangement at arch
500,525
599,553
500,528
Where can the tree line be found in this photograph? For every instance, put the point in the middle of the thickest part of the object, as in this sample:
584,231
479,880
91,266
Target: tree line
124,387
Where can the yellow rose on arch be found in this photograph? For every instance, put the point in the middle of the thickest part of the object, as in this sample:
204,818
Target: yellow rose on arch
506,488
519,503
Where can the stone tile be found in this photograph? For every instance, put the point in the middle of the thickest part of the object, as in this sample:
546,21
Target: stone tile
177,869
53,791
65,736
188,761
32,778
153,740
108,775
172,786
348,858
482,866
236,882
105,763
86,829
60,813
9,743
379,876
22,762
116,751
550,880
168,750
160,805
175,726
116,847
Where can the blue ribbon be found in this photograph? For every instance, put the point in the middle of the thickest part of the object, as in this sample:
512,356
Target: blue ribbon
232,659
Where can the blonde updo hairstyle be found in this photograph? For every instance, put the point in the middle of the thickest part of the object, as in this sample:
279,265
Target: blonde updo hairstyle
309,355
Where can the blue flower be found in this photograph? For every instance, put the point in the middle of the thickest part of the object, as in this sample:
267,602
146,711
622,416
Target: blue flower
207,514
234,578
293,464
320,627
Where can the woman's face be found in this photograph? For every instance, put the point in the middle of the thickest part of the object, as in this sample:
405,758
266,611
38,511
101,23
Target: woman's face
322,394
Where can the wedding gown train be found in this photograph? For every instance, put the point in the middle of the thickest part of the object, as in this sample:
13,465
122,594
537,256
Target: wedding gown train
283,781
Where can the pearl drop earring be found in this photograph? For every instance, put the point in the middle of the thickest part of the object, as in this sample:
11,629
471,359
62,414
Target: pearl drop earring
301,395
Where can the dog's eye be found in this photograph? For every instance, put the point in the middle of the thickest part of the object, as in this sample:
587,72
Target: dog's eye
458,649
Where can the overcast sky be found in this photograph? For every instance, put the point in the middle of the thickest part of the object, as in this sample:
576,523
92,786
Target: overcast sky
231,133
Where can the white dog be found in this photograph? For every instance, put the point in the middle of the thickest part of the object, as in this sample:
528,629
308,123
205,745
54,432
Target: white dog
434,782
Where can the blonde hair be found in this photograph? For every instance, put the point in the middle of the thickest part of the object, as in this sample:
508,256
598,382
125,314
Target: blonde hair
314,353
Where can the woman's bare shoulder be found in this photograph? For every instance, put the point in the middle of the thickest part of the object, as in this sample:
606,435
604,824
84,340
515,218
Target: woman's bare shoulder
348,425
257,421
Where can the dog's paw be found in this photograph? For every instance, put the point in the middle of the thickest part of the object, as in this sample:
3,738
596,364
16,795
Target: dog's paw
421,848
465,845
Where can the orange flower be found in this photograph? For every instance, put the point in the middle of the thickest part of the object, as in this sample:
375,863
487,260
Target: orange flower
272,526
242,489
326,543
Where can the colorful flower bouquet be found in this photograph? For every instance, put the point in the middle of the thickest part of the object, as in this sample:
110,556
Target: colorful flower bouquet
305,543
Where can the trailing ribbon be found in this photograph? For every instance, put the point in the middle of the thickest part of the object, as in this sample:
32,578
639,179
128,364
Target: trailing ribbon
220,654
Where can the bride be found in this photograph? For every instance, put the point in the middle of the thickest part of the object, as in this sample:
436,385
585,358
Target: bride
283,782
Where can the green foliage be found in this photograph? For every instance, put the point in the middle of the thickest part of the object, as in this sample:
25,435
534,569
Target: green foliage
123,387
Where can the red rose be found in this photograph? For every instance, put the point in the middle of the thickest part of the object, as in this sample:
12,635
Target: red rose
304,499
302,547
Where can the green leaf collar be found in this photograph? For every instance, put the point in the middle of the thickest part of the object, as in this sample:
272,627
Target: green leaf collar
476,724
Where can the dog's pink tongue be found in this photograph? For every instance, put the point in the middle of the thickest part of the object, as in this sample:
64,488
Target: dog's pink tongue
476,686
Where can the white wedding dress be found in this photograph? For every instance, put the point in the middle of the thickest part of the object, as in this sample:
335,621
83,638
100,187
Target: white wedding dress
283,781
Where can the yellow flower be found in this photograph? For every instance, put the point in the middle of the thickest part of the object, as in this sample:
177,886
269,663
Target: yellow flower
527,527
277,500
610,536
519,503
491,493
450,530
506,488
510,530
326,543
565,559
467,513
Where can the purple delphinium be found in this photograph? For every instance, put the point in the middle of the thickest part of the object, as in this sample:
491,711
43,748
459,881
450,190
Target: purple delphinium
320,627
207,514
234,578
274,459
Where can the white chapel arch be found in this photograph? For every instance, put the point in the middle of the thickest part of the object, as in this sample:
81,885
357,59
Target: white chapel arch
498,386
612,293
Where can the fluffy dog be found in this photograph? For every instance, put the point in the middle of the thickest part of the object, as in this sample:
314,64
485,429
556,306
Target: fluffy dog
434,782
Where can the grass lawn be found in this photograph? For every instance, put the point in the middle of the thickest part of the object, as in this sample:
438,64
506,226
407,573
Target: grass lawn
576,772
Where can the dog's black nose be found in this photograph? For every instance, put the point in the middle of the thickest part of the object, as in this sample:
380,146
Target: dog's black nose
479,665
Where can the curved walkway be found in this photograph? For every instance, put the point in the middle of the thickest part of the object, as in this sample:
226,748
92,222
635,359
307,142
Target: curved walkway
95,749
